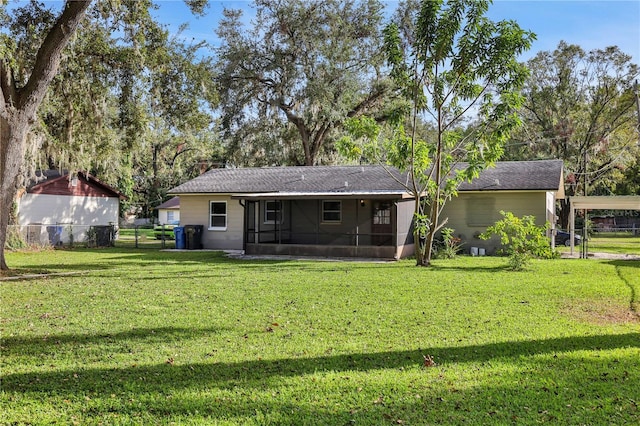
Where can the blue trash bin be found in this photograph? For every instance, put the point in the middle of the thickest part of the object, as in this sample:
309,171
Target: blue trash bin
55,235
181,240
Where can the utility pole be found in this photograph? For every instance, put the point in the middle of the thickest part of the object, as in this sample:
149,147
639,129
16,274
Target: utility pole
584,252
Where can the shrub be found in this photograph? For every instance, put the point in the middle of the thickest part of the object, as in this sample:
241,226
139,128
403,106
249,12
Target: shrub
450,245
15,240
522,239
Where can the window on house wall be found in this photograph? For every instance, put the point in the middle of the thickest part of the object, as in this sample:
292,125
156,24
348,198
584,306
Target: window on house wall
481,211
272,212
332,211
218,215
382,214
170,216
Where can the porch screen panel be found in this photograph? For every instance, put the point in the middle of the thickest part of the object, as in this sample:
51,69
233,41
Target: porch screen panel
272,212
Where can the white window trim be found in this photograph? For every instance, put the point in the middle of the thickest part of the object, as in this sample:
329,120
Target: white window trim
331,222
281,210
226,216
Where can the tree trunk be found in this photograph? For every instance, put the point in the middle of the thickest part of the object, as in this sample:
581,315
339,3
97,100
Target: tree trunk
564,213
13,137
420,246
18,106
434,213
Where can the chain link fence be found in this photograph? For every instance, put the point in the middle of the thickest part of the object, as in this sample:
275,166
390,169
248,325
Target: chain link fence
147,237
68,235
60,235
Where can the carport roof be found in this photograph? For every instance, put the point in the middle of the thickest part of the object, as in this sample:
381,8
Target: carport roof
614,202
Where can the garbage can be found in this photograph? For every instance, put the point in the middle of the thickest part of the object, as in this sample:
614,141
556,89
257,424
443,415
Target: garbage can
194,236
104,235
181,242
55,235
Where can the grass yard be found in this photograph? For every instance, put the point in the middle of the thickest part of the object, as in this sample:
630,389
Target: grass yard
146,239
148,337
614,243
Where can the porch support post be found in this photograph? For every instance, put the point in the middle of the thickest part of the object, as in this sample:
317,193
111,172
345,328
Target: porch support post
357,222
245,221
319,218
394,224
572,223
289,227
279,221
257,222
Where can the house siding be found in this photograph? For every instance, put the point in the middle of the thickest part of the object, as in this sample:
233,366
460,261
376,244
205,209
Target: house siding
79,211
194,210
470,214
162,216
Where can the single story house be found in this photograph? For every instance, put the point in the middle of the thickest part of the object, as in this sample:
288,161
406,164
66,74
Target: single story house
352,211
58,206
520,187
169,212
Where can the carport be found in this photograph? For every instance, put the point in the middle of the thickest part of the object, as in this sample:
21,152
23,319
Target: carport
619,202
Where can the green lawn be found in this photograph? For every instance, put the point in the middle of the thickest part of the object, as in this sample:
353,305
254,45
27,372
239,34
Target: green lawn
146,239
148,337
614,243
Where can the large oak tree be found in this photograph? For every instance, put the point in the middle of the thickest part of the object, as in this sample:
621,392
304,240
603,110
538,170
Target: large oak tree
128,102
20,101
305,64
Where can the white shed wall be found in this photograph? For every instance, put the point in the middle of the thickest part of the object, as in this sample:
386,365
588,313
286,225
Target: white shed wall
55,209
79,211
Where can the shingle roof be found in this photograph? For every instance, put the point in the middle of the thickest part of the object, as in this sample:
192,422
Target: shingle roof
518,176
320,179
172,203
50,178
508,175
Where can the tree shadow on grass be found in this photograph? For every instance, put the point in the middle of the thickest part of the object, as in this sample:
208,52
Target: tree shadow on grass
488,268
625,263
117,258
45,344
233,390
226,373
634,302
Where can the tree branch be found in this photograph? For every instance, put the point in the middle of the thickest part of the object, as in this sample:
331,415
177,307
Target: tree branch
302,129
7,88
465,110
49,55
371,98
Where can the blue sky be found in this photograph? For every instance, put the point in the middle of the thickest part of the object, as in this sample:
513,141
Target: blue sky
591,24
